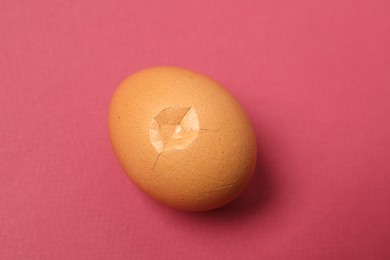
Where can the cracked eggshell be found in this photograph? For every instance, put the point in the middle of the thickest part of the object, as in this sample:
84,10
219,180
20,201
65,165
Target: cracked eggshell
182,138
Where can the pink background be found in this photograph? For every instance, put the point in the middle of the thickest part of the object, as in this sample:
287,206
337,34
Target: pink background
314,77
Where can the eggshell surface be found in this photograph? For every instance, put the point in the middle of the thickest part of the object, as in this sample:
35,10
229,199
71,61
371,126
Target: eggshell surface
182,138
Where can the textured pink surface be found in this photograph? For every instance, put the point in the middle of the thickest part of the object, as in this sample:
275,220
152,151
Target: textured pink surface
313,75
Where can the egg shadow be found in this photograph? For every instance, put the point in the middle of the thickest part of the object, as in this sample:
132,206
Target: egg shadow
257,196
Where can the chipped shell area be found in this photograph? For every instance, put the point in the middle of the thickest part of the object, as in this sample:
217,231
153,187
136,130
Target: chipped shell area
174,128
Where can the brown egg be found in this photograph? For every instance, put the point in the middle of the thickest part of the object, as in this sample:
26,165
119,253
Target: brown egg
182,138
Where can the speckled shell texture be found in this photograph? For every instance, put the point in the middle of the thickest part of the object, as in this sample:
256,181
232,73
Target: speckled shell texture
182,138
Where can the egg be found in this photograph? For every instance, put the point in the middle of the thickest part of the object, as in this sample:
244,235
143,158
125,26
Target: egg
182,138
